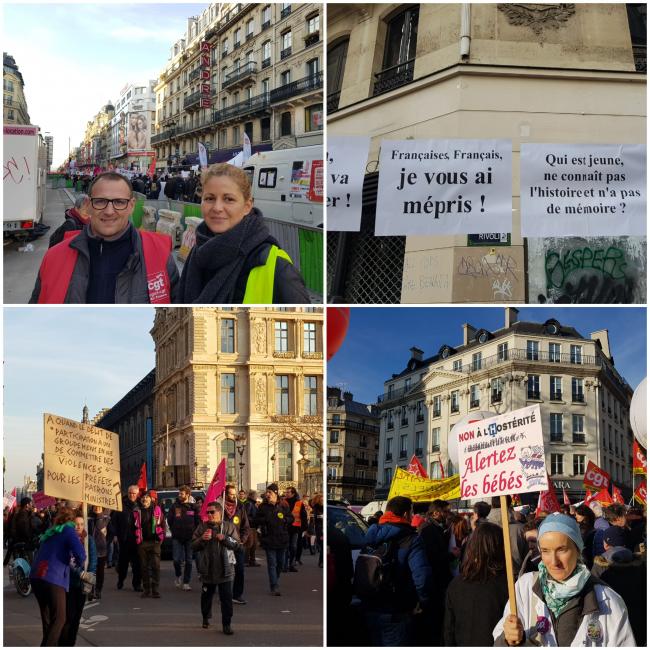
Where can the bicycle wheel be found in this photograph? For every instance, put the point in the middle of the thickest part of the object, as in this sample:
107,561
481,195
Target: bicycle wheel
23,585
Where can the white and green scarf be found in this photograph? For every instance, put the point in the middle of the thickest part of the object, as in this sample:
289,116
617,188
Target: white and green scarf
558,594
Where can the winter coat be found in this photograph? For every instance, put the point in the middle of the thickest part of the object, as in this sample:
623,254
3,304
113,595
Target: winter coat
240,520
597,613
251,510
77,569
317,514
413,581
52,560
131,285
273,522
625,573
215,564
463,600
21,526
599,537
183,519
218,266
123,523
300,519
73,221
518,543
435,542
101,530
144,528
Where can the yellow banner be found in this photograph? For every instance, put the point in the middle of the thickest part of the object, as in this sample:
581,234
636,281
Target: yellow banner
420,489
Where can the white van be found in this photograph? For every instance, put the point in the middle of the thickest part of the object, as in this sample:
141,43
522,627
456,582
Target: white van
288,184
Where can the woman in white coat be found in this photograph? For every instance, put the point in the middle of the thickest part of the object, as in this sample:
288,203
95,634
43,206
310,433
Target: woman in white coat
562,604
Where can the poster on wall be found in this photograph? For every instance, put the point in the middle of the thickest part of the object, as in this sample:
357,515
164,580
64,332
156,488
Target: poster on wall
138,132
444,187
346,166
583,190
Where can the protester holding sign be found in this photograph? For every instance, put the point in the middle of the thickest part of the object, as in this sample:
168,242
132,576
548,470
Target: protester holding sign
561,605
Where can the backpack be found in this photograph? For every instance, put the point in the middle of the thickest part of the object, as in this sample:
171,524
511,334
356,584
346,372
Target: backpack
377,570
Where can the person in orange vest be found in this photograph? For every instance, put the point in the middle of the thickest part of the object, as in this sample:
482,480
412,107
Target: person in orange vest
109,261
297,528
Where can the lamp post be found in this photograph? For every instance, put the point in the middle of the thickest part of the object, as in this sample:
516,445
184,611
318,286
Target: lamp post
241,447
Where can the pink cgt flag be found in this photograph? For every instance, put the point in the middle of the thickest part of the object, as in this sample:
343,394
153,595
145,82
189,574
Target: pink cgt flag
215,489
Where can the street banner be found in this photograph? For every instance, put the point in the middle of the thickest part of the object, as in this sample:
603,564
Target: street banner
416,467
420,489
346,167
583,190
247,149
595,478
42,500
603,497
142,479
547,501
502,455
81,462
203,156
641,493
617,497
444,187
215,489
152,168
639,463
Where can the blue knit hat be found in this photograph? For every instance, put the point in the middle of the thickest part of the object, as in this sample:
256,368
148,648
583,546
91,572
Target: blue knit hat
559,523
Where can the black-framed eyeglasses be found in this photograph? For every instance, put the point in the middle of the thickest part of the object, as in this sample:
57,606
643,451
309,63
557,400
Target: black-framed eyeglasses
212,512
118,204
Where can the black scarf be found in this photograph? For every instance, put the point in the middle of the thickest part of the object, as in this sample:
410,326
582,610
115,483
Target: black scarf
217,261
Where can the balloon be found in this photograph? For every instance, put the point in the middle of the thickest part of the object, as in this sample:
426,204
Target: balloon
638,415
338,319
452,440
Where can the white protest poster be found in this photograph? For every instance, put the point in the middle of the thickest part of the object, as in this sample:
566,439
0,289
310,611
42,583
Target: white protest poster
346,166
502,455
444,187
81,462
583,190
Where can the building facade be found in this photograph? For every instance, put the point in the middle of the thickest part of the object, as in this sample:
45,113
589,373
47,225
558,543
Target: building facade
244,384
352,445
14,104
92,151
584,401
476,71
132,419
241,68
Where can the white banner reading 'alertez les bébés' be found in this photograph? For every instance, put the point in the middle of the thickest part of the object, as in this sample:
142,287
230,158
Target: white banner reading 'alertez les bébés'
444,187
502,455
583,190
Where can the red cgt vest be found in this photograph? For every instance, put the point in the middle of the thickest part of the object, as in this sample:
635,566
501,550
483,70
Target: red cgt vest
59,262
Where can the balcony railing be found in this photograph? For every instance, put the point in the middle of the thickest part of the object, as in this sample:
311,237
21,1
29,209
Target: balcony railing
578,397
236,45
249,36
455,408
581,438
495,398
404,423
192,100
285,12
162,137
357,426
312,39
258,103
394,77
435,447
334,459
419,417
388,457
640,58
533,394
333,101
299,87
418,451
402,453
556,437
194,74
556,396
285,53
266,62
238,73
266,24
353,480
474,403
362,462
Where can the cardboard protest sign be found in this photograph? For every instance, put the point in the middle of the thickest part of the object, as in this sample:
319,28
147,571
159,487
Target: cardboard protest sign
419,489
81,462
444,187
8,500
502,455
583,190
595,478
346,166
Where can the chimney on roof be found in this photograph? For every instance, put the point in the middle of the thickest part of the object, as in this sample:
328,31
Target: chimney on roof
512,316
468,332
416,353
347,396
602,336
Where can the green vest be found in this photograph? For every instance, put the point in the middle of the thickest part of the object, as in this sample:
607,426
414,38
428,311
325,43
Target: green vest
259,286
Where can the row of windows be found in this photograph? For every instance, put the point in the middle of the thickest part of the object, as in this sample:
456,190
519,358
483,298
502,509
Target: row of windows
579,464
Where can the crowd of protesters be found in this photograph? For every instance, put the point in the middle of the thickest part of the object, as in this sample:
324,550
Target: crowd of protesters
580,576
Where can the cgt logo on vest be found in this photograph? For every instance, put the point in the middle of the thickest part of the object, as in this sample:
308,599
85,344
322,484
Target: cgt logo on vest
157,287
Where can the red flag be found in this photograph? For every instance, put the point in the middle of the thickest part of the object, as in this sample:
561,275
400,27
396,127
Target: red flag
639,463
617,497
565,498
152,168
442,470
215,489
602,497
596,477
516,499
641,494
588,497
142,481
547,501
416,467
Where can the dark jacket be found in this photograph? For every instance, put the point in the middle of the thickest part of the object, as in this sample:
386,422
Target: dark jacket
273,522
625,573
77,569
21,526
183,520
251,510
413,580
435,542
100,529
131,284
317,514
240,521
123,523
464,599
588,549
213,560
218,266
73,221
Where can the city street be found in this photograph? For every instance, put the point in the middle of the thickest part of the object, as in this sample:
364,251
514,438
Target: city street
122,618
20,269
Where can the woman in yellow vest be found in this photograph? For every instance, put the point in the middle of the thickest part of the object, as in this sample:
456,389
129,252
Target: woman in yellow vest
235,259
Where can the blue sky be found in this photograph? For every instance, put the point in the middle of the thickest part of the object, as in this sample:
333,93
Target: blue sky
55,359
378,339
76,57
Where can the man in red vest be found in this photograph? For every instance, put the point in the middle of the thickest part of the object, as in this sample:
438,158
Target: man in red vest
109,261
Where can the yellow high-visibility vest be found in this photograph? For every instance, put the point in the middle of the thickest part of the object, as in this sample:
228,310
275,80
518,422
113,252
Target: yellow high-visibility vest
259,286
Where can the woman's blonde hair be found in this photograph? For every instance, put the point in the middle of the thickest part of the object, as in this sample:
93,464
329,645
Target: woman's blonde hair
239,176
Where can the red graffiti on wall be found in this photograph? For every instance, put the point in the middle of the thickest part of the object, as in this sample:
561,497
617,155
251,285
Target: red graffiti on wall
12,170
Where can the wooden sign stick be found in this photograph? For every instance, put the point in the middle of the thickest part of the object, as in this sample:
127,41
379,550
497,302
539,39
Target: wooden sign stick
505,526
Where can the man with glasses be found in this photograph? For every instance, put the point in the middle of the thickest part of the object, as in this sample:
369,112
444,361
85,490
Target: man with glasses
109,261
